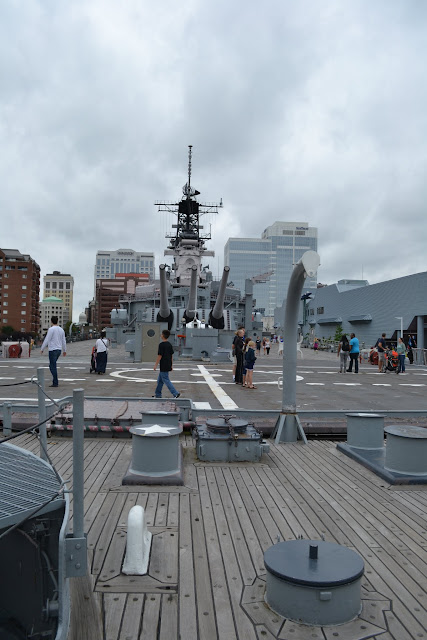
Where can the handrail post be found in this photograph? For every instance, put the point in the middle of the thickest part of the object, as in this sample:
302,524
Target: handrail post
42,413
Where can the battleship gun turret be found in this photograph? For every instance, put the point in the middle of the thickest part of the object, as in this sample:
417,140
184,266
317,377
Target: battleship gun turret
165,314
216,316
190,312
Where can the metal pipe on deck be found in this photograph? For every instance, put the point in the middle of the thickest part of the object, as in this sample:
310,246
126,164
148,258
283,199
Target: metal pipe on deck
216,316
164,314
288,424
190,312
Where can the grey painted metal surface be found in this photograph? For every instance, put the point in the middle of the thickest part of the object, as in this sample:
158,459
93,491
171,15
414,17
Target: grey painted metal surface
365,430
383,303
289,425
156,453
42,413
406,450
314,582
231,440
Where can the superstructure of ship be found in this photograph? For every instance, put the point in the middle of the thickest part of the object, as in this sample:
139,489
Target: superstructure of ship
201,313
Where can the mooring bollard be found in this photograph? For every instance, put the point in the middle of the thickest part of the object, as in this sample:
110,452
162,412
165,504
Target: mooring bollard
365,430
406,450
314,582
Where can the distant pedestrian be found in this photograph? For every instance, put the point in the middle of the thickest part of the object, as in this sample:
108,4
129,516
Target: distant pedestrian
410,354
412,342
343,352
101,347
165,360
263,345
55,341
401,352
250,359
245,348
381,348
267,346
316,344
354,353
238,350
258,344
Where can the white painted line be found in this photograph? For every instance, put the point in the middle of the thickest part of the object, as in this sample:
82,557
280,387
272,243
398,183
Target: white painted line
378,384
7,378
411,385
316,384
202,405
348,384
225,400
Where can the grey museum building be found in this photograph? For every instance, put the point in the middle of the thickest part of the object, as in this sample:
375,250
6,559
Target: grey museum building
367,310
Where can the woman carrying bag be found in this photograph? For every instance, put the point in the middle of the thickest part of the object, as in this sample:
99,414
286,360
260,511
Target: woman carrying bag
101,347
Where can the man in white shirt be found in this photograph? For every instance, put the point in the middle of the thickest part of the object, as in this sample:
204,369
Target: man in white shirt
55,341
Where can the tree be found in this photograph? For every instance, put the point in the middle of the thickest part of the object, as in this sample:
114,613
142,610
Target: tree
7,329
338,333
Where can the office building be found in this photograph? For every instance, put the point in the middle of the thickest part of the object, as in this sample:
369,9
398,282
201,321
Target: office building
123,261
108,292
51,306
269,261
19,291
60,285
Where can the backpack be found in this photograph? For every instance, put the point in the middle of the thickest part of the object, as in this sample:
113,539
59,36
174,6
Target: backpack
345,346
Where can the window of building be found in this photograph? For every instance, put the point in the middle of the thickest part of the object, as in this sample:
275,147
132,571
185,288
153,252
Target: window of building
6,275
287,232
299,233
6,286
61,285
23,268
47,286
54,285
68,285
23,313
10,267
5,304
24,275
24,295
311,312
320,310
5,295
23,304
24,286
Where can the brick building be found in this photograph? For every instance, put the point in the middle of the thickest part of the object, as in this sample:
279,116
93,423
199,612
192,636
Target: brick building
19,291
109,291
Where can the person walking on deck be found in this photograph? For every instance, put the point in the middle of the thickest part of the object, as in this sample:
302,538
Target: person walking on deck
55,342
165,360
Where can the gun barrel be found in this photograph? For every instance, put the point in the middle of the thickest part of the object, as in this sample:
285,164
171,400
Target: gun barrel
190,312
216,316
164,314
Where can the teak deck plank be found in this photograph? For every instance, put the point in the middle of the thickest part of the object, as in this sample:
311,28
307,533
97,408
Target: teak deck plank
206,576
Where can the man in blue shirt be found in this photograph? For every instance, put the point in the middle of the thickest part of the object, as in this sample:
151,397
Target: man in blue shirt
354,354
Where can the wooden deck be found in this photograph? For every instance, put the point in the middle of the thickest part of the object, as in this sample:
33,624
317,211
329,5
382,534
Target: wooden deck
206,576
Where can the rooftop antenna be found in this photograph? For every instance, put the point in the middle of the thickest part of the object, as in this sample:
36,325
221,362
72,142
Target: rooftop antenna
190,146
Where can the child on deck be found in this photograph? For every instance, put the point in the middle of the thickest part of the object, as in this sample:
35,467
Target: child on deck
250,359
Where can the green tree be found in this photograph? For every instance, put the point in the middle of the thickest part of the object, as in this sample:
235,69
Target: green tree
7,329
338,333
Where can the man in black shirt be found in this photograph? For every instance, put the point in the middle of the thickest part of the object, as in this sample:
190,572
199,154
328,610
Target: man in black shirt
165,359
381,347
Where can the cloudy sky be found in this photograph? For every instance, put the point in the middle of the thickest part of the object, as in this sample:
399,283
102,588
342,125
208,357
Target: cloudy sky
303,110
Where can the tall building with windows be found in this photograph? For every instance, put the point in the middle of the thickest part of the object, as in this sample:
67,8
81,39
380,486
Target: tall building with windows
19,291
109,263
51,306
269,261
60,285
